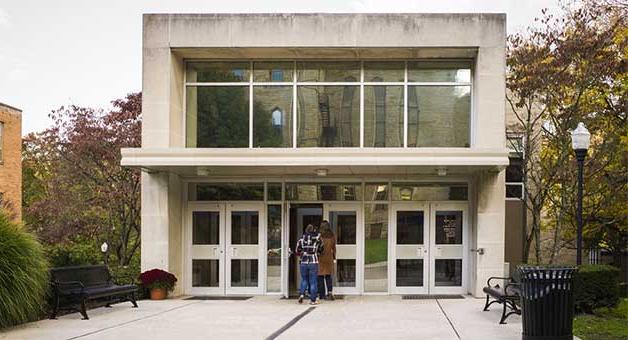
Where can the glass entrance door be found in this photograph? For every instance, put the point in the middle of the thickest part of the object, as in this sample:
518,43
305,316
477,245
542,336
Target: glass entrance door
226,248
428,249
345,220
448,240
244,254
206,234
410,248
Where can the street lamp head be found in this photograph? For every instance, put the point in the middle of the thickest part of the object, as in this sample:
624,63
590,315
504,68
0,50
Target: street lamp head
580,137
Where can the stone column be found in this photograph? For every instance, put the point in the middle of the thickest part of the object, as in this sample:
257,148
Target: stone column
489,228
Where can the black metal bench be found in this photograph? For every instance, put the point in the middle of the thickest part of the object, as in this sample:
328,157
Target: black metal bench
74,286
509,296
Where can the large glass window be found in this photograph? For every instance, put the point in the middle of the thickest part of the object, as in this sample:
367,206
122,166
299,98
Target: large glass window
414,103
383,116
273,243
438,116
226,191
375,247
328,116
323,192
272,116
217,116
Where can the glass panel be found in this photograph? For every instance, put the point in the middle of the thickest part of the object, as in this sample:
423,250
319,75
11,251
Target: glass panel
217,117
199,72
383,71
429,191
410,227
409,273
343,224
325,71
205,227
280,71
383,116
376,192
244,227
449,227
244,273
323,192
205,273
438,116
448,273
514,191
272,116
376,247
439,71
328,116
345,273
274,191
226,192
273,244
514,171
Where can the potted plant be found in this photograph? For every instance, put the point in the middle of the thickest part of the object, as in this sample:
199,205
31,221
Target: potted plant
159,282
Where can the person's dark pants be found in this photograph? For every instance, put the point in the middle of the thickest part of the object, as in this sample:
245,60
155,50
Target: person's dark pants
324,285
309,275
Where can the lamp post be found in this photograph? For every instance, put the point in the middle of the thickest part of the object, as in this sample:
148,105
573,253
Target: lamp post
580,139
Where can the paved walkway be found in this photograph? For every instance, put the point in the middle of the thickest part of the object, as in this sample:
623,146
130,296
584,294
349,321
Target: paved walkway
365,317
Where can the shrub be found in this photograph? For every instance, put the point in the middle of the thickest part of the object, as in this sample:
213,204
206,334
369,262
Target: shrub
157,278
596,286
23,274
77,252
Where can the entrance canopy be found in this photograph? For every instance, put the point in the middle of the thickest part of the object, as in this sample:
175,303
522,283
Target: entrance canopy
333,161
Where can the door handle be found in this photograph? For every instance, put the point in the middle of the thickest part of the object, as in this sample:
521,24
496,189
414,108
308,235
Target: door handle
233,251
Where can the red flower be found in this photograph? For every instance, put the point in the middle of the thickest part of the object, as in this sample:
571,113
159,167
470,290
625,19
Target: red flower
157,278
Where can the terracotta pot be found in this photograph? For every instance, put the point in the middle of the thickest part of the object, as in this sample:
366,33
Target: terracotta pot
158,293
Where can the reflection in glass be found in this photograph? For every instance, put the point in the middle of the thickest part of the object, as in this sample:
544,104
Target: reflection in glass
439,71
199,72
378,71
448,272
383,116
409,273
244,273
376,191
449,227
375,247
205,273
326,71
328,116
438,116
244,227
429,192
410,227
345,273
343,224
280,71
274,191
205,227
273,265
272,116
226,192
323,192
217,117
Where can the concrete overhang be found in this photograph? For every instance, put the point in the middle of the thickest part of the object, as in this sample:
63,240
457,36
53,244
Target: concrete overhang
278,162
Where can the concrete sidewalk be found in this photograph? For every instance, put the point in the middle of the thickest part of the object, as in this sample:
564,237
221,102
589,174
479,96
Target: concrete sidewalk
363,317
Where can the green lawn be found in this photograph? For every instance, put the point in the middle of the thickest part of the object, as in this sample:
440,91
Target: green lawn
375,251
604,324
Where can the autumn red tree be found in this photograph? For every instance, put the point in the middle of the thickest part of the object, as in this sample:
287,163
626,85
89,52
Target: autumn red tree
74,186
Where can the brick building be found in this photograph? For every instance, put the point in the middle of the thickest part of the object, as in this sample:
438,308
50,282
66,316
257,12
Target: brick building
10,157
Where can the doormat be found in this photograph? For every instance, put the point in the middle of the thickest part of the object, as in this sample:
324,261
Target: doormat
228,298
430,297
294,297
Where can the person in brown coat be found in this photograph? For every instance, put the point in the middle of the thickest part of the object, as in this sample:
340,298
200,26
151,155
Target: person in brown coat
326,262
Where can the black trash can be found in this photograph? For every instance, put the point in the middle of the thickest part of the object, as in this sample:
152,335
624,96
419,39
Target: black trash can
547,302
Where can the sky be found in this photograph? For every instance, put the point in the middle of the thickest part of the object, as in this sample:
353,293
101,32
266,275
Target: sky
88,53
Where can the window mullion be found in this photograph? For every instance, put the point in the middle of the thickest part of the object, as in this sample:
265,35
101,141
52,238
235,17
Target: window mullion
405,105
251,104
362,104
294,105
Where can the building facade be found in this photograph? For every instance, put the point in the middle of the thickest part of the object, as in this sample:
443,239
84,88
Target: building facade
390,126
11,159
